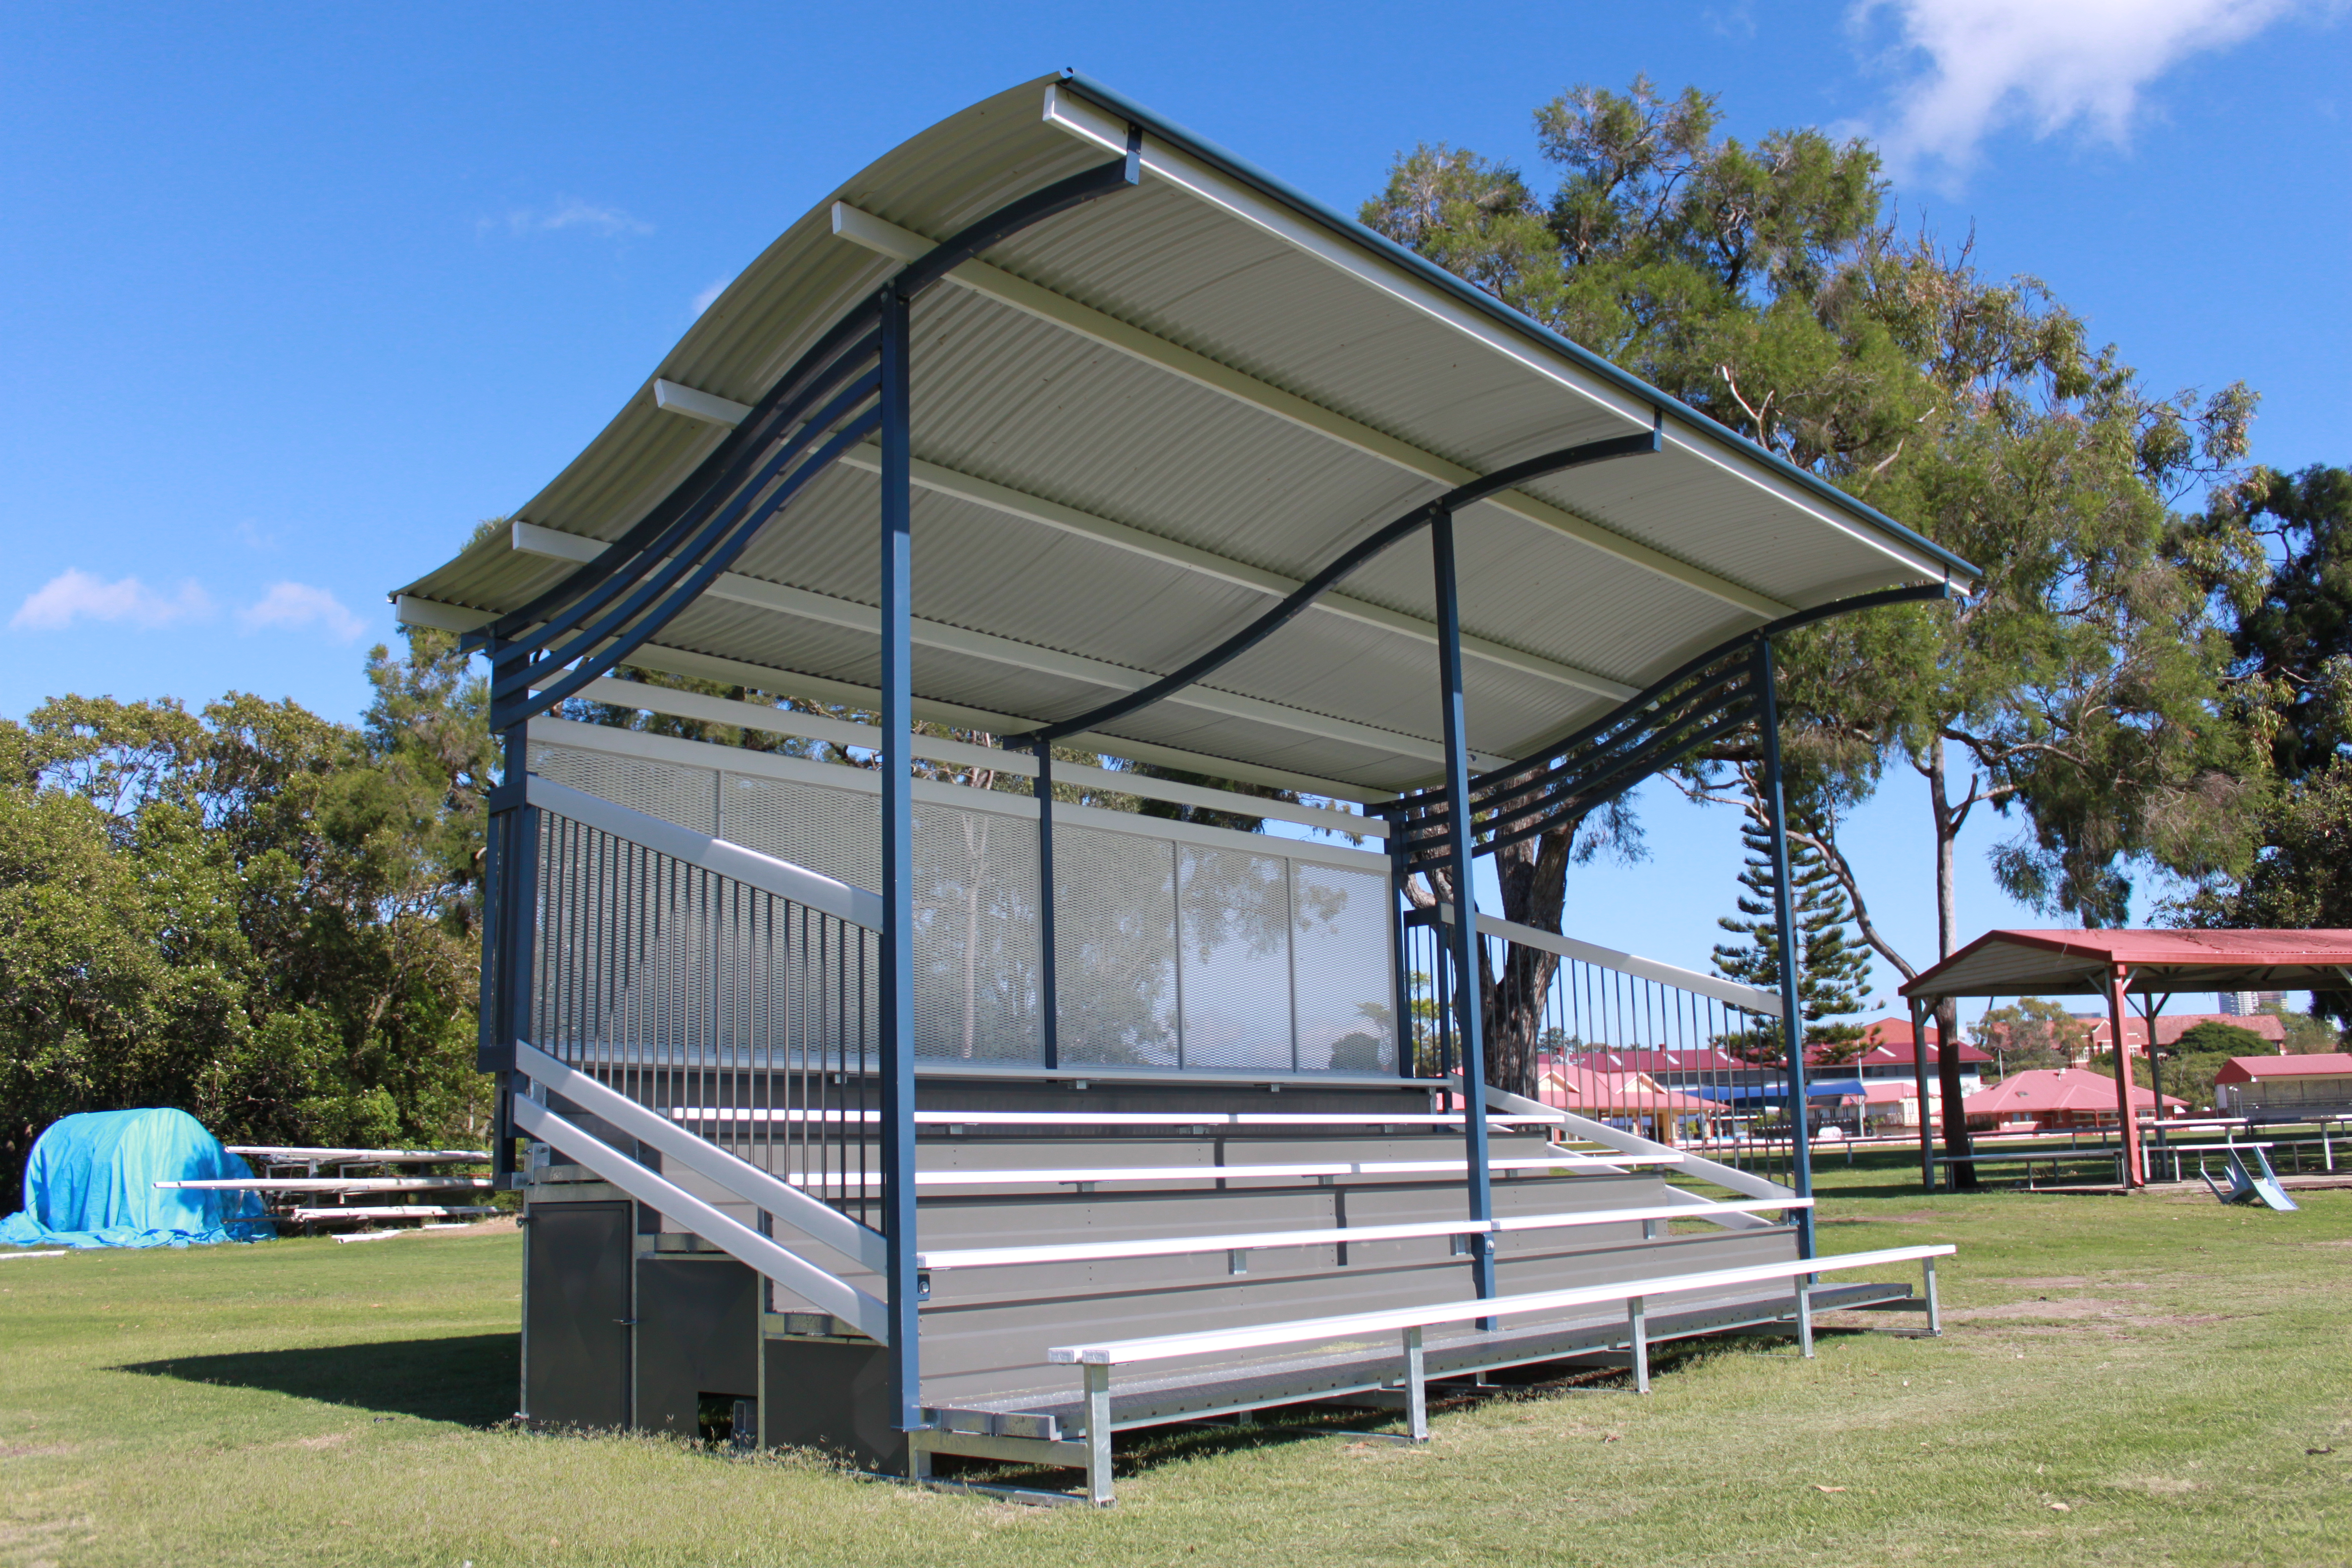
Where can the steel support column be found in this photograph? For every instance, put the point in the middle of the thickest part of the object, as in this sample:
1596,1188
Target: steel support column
1919,1081
509,924
1049,979
2118,1015
1784,914
1462,936
898,977
2149,1006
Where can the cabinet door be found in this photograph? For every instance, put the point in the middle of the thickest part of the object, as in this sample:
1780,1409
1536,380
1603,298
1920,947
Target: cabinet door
577,1312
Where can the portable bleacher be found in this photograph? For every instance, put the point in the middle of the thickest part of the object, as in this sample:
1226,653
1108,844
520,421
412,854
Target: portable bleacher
896,1114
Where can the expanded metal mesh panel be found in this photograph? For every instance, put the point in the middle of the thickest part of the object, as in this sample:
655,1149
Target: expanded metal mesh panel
1236,912
836,831
1115,948
1171,955
671,791
976,947
1340,947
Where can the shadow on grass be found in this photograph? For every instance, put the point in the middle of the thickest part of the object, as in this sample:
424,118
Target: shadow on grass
468,1379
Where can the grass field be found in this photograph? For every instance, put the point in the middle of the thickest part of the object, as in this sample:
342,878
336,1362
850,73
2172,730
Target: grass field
2135,1381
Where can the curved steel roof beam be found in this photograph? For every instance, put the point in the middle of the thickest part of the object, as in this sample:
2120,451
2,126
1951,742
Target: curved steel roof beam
1314,587
828,609
1665,738
730,471
713,409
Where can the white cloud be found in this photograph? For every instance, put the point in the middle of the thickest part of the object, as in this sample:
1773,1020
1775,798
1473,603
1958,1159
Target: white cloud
1977,66
296,605
704,300
75,596
570,212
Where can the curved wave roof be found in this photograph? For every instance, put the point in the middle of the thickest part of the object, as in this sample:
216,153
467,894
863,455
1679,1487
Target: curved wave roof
1139,422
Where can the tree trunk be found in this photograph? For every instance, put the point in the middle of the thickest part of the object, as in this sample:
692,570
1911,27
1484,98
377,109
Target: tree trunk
1947,1010
1533,875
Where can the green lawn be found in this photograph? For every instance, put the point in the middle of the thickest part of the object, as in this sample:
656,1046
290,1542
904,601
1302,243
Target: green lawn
2161,1368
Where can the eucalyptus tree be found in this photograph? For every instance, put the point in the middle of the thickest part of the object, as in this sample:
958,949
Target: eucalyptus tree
1768,287
2291,693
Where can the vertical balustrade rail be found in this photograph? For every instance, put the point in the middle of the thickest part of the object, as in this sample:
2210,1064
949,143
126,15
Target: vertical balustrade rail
742,1015
1638,1052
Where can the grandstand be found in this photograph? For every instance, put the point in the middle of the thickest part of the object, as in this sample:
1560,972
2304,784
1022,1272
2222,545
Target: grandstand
919,1091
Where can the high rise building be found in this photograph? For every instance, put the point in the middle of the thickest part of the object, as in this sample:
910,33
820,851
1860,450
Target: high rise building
2244,1003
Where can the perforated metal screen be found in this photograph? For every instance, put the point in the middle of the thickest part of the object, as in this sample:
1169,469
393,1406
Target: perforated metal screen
1169,953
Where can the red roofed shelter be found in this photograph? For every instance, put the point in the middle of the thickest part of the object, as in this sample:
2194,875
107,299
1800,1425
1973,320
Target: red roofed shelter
2112,964
2287,1088
2052,1099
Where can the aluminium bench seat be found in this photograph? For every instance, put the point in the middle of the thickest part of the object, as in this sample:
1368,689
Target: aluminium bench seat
1218,1370
1056,1410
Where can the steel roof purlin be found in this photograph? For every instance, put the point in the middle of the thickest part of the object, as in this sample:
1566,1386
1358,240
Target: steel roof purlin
1164,403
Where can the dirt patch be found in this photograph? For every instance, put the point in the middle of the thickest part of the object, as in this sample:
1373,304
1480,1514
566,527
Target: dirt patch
2343,1241
2088,1311
2065,1307
323,1440
36,1450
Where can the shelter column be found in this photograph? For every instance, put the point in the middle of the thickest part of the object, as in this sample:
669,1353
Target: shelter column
1462,936
1920,1082
2118,1012
1784,914
898,977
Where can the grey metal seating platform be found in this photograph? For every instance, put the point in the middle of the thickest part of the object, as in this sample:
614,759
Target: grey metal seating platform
1219,1371
1040,1238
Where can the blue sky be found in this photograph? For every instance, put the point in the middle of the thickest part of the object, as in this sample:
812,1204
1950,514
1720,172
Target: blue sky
291,296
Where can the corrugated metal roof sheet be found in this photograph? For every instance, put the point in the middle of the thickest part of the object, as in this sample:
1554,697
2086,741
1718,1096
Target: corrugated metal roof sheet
1224,367
2078,962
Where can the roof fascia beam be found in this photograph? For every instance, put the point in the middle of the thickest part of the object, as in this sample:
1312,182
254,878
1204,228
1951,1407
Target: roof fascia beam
1099,327
413,611
1070,114
999,497
533,539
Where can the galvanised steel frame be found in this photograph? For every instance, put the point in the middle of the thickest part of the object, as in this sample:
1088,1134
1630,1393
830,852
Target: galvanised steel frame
850,385
1724,690
1438,516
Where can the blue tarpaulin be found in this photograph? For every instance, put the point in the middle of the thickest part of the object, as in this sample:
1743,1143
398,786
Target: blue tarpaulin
90,1182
